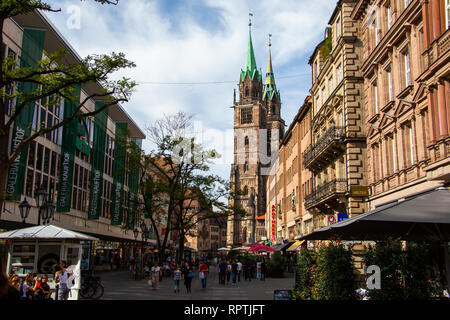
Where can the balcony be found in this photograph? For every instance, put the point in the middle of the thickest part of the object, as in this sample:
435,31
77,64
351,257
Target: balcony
325,148
327,195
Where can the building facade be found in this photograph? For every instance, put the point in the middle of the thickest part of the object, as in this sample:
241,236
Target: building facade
289,182
336,156
407,95
79,165
257,124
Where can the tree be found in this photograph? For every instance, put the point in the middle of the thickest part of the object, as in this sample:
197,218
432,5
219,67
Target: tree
175,184
50,77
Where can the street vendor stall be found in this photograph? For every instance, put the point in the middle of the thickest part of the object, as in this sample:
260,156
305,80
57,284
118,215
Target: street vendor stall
37,249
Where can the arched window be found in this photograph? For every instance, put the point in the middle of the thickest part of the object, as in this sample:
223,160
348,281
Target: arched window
272,109
246,190
245,166
246,141
246,91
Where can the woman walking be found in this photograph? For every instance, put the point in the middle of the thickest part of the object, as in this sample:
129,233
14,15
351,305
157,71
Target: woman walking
203,273
61,277
155,276
188,279
177,275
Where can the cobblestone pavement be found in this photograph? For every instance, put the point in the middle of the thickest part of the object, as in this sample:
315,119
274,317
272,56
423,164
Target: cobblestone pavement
119,286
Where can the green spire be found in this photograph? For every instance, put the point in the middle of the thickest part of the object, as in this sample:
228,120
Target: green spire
250,62
270,87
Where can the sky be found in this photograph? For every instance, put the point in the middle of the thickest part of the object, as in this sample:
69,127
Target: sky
179,45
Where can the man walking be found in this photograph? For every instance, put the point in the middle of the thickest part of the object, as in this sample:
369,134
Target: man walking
234,271
222,271
239,270
263,270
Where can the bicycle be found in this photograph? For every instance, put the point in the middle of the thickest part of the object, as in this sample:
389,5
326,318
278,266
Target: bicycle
91,288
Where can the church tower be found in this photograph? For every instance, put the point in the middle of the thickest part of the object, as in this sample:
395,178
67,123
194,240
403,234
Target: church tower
252,118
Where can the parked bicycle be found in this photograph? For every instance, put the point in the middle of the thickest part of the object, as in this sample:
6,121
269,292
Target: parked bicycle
91,288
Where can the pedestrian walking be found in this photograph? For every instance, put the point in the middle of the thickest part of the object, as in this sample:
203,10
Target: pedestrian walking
258,270
222,271
234,271
239,270
229,269
188,279
155,276
61,278
177,275
203,273
263,270
248,270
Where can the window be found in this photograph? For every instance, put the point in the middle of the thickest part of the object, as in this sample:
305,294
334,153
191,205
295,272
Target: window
447,14
339,29
376,167
246,115
389,96
324,96
339,73
375,96
391,155
340,119
408,145
246,91
389,16
245,190
245,166
407,3
407,68
330,84
246,141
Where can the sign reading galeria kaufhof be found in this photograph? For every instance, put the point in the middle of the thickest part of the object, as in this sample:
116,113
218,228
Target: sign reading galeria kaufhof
32,45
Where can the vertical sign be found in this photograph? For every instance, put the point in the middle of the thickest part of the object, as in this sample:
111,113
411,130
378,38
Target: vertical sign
133,186
119,173
273,222
98,160
68,153
32,46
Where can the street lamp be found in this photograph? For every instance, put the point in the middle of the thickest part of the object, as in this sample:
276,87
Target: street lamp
40,194
24,208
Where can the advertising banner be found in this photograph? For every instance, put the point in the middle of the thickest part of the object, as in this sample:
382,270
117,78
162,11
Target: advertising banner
119,174
68,154
98,160
32,45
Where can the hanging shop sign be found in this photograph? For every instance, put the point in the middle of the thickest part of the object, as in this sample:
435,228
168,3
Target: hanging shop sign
359,191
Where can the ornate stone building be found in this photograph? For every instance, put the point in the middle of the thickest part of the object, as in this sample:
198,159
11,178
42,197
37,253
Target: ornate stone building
289,182
407,95
336,156
257,110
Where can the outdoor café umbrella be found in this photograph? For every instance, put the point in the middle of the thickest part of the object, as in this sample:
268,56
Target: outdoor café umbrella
223,249
240,249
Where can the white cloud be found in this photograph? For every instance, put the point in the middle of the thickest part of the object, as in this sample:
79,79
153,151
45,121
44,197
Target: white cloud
194,53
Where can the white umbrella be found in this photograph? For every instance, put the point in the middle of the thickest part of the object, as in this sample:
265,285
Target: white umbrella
223,249
240,249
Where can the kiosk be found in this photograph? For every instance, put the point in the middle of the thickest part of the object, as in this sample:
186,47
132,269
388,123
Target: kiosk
37,249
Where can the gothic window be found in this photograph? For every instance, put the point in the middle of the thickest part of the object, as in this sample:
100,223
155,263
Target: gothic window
272,109
245,190
246,115
246,91
246,141
245,166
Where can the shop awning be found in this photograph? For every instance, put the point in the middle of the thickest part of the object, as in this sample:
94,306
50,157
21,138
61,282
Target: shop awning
425,216
261,217
45,232
280,247
295,245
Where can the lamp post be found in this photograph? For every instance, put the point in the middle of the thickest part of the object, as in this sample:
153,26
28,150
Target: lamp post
136,234
46,206
24,208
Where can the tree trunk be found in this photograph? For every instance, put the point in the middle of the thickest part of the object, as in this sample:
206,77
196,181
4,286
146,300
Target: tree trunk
181,248
4,165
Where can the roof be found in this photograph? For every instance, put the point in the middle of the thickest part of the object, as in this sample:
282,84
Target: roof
270,88
45,232
54,40
250,61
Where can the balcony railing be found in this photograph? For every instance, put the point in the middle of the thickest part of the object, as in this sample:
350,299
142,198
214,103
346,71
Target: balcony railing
333,134
325,191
